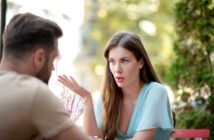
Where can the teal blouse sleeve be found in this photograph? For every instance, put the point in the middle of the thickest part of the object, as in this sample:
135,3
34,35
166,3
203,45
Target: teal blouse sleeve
98,111
152,110
157,112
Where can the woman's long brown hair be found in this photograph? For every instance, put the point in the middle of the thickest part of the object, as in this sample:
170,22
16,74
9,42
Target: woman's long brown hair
112,94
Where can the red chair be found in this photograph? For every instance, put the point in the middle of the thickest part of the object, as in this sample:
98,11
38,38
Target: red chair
191,133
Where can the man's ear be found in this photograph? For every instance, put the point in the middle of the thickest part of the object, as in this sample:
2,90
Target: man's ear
39,58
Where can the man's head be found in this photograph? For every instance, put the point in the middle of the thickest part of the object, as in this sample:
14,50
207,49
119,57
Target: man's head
34,40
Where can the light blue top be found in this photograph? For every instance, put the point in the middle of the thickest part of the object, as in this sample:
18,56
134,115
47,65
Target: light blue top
152,110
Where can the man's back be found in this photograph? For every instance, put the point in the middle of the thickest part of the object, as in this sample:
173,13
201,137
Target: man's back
26,108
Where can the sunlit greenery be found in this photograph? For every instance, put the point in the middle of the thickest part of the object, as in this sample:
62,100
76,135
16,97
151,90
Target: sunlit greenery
152,20
193,70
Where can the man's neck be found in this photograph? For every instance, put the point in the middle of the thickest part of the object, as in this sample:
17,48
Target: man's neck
16,67
6,67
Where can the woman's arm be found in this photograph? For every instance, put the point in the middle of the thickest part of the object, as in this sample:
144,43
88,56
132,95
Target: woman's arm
89,120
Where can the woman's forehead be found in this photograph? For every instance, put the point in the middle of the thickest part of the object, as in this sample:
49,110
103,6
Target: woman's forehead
119,52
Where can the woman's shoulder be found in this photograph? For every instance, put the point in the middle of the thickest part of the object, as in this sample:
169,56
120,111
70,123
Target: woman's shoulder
156,85
157,88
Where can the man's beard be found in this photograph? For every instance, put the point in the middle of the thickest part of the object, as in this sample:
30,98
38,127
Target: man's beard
44,74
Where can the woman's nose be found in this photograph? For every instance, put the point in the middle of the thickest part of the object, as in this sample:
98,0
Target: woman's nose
118,68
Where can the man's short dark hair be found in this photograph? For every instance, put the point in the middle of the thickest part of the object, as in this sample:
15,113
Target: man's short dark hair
28,32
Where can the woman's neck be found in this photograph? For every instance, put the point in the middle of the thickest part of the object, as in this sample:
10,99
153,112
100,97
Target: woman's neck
131,93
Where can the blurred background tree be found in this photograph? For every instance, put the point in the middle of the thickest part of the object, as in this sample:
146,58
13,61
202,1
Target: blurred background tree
152,20
192,72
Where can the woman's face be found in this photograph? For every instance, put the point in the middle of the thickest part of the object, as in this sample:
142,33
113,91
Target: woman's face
124,67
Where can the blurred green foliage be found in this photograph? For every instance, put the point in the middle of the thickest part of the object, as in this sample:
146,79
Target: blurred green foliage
192,72
152,20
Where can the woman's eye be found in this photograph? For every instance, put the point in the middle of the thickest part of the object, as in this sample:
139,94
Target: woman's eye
112,62
125,61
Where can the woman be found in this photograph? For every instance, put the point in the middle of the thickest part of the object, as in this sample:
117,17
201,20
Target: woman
134,105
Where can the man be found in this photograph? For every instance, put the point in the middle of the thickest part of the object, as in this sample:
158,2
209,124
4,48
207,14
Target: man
28,109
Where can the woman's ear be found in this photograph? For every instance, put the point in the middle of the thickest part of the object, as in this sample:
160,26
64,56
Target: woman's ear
39,59
141,63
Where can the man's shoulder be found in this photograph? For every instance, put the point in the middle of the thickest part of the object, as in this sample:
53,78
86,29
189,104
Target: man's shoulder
20,78
21,82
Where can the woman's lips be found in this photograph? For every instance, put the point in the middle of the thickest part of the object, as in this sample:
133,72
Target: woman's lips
119,79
